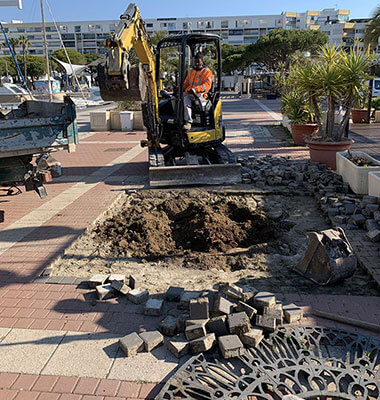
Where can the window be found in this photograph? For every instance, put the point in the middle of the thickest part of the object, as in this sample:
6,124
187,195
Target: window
235,32
343,18
186,25
88,36
171,26
91,27
224,24
251,31
163,25
249,40
263,21
34,29
20,30
98,27
241,23
69,44
68,36
376,83
149,25
359,30
224,35
77,28
112,27
63,28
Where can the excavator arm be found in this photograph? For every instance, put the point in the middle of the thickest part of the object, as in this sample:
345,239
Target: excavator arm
120,81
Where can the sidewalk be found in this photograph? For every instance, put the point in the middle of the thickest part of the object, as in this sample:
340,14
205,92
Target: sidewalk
56,341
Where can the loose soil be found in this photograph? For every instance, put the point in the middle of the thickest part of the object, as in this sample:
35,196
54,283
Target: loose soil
198,238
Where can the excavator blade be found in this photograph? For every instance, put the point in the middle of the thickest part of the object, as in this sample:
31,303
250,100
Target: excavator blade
131,86
186,175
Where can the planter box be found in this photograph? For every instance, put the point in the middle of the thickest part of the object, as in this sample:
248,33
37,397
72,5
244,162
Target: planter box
138,124
100,121
374,184
377,116
356,177
115,120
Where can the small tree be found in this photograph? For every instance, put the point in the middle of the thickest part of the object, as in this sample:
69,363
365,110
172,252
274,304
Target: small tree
36,66
75,57
24,42
232,57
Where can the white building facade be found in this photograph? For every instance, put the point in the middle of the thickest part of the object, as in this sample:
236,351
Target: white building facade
88,36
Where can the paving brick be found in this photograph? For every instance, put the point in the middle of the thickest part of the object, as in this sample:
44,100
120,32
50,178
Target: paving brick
86,386
292,313
374,235
168,326
105,292
238,323
120,287
67,396
276,313
232,291
230,346
264,299
253,337
45,383
222,306
116,278
24,382
129,390
178,346
107,388
186,297
132,282
7,380
131,344
199,308
48,396
153,307
195,331
65,384
96,280
190,322
181,322
266,322
151,339
27,395
138,296
7,394
202,344
174,293
217,325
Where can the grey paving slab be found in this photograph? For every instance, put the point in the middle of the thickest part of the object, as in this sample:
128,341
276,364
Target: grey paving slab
4,332
155,366
27,351
84,355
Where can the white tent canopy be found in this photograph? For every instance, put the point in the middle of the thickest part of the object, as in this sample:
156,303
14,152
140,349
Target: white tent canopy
71,69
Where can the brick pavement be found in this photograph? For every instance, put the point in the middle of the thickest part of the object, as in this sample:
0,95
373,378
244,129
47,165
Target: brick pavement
74,201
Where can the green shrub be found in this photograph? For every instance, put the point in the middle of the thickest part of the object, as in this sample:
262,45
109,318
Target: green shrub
376,103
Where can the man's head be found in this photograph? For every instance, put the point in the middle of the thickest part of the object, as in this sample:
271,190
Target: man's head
198,61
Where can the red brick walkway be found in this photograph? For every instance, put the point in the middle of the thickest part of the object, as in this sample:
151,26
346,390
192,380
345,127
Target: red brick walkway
27,305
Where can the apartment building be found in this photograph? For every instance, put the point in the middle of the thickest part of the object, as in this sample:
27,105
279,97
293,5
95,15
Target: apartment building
88,36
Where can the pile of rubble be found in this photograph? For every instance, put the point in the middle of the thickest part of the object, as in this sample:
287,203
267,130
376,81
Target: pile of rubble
195,321
313,179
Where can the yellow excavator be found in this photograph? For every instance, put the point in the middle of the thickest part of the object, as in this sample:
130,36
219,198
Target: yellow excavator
176,156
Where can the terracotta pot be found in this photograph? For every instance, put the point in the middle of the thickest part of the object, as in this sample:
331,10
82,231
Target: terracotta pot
325,152
359,115
301,132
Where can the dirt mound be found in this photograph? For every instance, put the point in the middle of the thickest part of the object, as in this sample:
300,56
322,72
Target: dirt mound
183,224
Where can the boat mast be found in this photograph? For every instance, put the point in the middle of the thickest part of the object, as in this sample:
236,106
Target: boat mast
46,51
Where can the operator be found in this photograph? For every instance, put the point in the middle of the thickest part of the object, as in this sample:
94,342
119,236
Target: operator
198,83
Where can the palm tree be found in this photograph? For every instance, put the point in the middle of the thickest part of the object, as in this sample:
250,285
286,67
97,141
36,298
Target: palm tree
13,43
24,42
372,32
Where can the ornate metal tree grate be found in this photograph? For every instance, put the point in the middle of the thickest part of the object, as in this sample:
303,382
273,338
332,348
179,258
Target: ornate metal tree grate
308,361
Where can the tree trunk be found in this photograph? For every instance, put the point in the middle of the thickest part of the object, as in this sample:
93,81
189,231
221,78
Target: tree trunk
330,117
343,124
317,114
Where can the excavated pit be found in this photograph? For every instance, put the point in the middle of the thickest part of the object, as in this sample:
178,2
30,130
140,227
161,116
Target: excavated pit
198,238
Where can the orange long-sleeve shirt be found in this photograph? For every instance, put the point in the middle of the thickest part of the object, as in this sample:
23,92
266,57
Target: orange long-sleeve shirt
200,81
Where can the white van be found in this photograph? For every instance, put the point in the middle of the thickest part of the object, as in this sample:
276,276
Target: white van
376,87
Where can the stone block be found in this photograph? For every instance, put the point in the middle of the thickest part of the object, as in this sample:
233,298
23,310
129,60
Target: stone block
195,331
138,296
191,322
217,325
292,313
168,326
253,337
332,212
105,292
267,322
238,323
349,208
275,313
199,308
120,287
186,297
340,219
372,207
151,339
376,216
358,219
116,277
178,346
131,344
153,307
174,293
264,299
369,199
244,307
230,346
133,282
222,306
374,236
232,291
202,344
181,322
371,225
96,280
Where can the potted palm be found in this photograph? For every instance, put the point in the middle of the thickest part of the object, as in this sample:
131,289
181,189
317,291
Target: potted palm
301,115
335,80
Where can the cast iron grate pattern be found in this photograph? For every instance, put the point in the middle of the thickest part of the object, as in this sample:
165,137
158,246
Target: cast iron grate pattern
309,361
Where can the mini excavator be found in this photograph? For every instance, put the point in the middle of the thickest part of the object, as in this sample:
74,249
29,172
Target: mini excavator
176,156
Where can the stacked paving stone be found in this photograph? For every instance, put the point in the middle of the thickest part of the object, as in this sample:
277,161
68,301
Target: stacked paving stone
313,179
199,321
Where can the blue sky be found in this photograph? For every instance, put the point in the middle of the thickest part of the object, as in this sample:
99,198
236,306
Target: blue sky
71,10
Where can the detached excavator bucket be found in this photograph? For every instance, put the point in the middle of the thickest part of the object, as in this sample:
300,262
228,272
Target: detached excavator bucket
328,258
130,86
186,175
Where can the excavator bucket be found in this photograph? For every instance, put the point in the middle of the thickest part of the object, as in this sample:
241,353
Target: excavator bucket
186,175
328,258
130,86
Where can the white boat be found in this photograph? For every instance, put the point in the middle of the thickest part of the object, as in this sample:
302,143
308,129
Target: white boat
12,95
